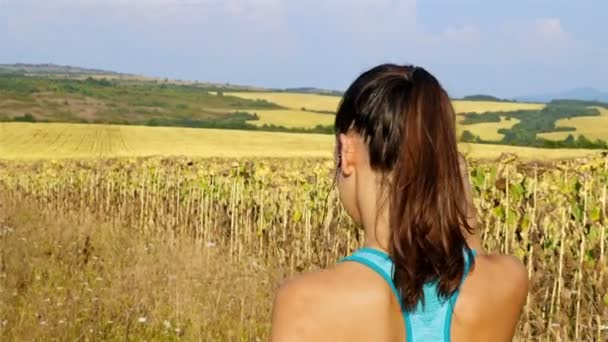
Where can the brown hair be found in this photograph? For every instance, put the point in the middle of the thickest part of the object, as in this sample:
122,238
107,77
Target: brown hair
408,123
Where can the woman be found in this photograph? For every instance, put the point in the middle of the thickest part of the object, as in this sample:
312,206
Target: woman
422,275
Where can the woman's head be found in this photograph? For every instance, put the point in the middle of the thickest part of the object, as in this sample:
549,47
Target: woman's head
397,150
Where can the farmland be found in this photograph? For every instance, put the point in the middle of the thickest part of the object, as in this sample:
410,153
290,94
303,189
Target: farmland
187,248
489,130
591,127
307,102
58,141
305,111
120,100
292,118
28,141
313,102
489,106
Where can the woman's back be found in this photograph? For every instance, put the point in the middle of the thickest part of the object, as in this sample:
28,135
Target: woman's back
431,319
400,178
354,302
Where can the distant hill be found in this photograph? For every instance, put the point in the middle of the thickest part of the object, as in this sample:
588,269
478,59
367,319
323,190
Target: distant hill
583,94
483,97
75,72
54,69
311,90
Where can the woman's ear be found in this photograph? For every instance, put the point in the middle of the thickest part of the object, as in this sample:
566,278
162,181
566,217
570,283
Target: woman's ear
346,153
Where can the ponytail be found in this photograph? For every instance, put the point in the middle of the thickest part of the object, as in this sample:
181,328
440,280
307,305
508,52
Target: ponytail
408,122
428,201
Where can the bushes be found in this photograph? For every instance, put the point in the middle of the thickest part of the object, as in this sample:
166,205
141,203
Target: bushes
467,136
237,120
18,85
25,118
21,118
482,97
580,103
472,118
571,142
533,122
101,83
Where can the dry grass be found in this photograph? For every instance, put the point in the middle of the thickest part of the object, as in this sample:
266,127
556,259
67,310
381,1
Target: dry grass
292,118
490,152
50,106
592,127
67,278
488,131
120,249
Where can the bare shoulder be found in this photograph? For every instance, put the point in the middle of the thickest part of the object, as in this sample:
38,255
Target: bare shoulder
340,303
504,280
296,299
511,275
493,296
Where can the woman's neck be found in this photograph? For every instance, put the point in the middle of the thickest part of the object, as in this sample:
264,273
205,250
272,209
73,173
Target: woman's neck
377,231
378,234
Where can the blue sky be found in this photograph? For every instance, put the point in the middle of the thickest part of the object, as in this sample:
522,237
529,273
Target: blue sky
505,48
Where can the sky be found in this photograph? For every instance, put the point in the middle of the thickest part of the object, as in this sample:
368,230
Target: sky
506,48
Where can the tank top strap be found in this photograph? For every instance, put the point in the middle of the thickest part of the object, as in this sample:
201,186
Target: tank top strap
379,262
383,265
424,318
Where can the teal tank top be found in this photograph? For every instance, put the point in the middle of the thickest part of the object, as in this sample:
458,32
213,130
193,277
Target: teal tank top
431,322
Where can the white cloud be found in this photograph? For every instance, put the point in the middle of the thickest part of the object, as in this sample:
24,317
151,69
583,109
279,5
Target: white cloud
549,29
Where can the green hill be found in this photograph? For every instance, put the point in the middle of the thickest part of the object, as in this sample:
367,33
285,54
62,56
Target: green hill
116,101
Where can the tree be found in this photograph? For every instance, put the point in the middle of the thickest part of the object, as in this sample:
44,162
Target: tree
467,136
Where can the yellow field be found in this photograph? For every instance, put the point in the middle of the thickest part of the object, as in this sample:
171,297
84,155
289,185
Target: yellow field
295,116
486,106
592,127
26,141
42,141
330,103
291,118
294,100
488,130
